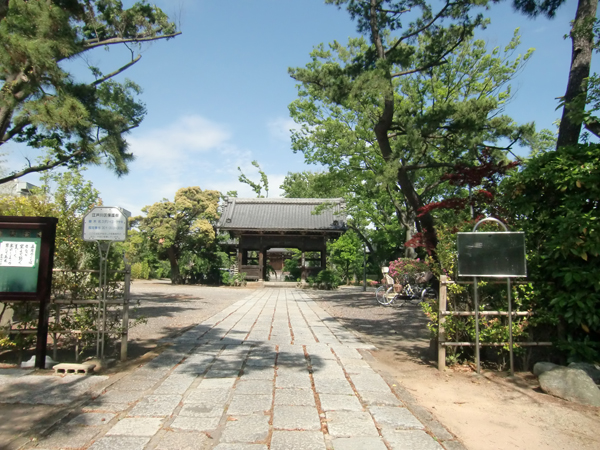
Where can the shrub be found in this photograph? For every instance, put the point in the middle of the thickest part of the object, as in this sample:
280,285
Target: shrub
238,279
406,266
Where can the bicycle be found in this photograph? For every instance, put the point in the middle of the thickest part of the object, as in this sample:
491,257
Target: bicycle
411,292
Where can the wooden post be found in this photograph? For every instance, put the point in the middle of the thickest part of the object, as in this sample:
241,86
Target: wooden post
441,319
303,267
125,318
261,265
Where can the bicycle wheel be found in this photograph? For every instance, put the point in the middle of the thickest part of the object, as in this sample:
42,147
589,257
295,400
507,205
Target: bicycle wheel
428,294
385,295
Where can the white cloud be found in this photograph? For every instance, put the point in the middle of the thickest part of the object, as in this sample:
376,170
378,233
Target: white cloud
279,129
168,148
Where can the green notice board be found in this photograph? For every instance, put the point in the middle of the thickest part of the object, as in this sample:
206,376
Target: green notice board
19,259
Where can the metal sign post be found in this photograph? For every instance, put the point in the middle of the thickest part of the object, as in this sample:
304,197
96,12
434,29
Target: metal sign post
497,254
104,225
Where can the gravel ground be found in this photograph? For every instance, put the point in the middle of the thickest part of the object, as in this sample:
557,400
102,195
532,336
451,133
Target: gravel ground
399,329
170,309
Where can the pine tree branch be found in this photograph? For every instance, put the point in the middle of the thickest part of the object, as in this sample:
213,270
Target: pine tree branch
93,43
116,72
61,160
419,30
41,167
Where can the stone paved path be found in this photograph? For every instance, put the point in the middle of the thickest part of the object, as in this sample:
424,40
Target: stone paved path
272,371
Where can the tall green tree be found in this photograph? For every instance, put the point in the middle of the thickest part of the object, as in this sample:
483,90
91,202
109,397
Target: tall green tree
184,225
67,196
392,115
309,184
368,71
584,40
43,105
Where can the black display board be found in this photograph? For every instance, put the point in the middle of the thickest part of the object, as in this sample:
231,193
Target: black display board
497,254
26,262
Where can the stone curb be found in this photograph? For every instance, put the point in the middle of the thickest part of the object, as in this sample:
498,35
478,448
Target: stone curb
437,430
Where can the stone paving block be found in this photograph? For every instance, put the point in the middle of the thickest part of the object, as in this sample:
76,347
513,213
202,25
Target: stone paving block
256,361
350,424
249,404
369,383
228,373
258,373
134,426
295,397
210,397
216,383
70,437
196,423
120,443
288,417
92,419
252,387
175,384
119,397
332,402
156,406
453,445
344,352
359,369
201,410
293,440
413,439
199,359
333,386
321,351
183,440
227,364
152,374
297,380
395,418
329,372
233,446
248,429
101,406
133,383
359,443
380,398
192,368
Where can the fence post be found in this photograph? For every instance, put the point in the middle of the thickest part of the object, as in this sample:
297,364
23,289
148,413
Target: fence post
441,320
125,318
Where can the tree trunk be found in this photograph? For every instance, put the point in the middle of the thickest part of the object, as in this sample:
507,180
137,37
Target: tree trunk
382,128
175,274
582,37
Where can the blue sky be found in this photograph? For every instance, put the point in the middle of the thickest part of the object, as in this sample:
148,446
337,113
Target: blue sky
217,95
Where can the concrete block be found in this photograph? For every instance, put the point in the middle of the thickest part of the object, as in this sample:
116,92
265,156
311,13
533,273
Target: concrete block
65,368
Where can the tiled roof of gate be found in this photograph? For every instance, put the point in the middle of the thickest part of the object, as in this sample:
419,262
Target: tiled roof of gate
274,214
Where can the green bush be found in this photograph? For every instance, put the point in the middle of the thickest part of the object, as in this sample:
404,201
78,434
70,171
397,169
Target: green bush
238,279
554,200
325,279
140,271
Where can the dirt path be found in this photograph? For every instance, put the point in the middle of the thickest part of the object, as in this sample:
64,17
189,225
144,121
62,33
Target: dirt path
490,411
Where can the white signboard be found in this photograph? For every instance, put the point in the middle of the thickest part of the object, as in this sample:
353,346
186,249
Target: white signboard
105,223
17,254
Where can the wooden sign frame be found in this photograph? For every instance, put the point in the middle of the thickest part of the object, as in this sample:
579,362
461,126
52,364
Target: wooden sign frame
47,227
